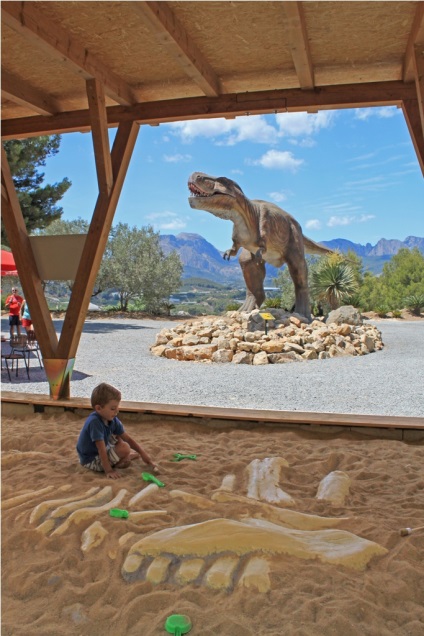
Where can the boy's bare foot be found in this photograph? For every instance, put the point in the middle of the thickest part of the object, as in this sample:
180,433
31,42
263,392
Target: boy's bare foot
123,463
134,455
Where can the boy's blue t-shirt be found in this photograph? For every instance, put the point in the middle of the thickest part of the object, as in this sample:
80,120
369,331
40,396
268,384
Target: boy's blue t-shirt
94,430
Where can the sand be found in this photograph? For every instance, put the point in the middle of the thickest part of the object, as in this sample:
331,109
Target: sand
73,572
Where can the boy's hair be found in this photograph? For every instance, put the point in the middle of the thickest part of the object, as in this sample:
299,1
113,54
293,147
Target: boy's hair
104,393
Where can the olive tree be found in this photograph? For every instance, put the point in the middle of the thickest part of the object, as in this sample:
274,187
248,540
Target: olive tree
135,265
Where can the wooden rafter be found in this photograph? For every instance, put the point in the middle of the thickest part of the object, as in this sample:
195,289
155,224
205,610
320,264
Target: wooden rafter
96,242
416,36
419,79
17,234
342,96
20,92
411,112
298,42
98,116
26,18
171,34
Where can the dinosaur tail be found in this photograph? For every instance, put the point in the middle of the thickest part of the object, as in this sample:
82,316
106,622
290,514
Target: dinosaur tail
315,248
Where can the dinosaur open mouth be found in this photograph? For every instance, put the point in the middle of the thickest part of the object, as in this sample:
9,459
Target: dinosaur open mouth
195,191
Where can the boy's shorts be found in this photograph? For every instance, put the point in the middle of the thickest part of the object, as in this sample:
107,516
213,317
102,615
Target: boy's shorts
113,457
26,322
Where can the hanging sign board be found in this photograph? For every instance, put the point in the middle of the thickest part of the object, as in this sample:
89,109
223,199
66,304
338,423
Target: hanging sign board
58,256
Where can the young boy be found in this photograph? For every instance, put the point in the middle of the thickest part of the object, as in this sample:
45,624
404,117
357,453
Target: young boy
103,444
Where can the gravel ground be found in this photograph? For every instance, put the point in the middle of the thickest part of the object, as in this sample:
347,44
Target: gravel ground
388,382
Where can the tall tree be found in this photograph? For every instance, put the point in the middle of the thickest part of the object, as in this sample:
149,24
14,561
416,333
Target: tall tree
38,202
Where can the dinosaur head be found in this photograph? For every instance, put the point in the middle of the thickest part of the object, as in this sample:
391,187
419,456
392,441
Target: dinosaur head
217,195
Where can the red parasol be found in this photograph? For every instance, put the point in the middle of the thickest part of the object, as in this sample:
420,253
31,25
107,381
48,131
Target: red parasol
8,265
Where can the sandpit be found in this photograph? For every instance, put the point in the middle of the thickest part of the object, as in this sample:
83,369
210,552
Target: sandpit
241,540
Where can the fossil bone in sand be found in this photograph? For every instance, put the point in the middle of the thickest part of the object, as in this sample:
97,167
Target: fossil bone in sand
195,500
84,514
100,497
143,494
93,536
334,488
227,539
228,483
20,499
45,506
291,518
264,475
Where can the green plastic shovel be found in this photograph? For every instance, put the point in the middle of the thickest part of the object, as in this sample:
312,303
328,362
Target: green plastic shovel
178,624
155,480
179,456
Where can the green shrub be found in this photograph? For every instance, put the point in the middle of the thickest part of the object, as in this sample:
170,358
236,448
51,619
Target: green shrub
396,313
272,303
414,303
381,311
233,306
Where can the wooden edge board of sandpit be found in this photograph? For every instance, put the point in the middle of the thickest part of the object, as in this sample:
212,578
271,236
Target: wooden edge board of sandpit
207,414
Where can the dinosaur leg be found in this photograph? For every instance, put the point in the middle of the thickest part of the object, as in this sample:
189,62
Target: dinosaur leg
253,270
298,269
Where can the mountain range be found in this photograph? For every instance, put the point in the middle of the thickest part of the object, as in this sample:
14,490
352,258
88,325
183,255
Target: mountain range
202,260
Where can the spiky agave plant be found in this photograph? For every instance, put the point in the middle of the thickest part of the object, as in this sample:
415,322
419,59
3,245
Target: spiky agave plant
334,281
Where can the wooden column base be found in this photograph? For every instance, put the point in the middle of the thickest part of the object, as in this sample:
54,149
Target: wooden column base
59,374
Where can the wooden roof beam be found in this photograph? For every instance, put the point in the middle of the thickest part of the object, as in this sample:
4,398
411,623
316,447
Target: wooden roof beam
236,104
98,117
415,37
298,42
27,19
20,92
170,33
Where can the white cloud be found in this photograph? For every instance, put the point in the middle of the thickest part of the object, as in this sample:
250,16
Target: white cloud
382,112
177,158
306,124
278,197
278,159
335,221
166,221
228,131
313,224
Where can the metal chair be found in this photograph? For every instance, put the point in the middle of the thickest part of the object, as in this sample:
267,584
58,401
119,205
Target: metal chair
17,352
33,346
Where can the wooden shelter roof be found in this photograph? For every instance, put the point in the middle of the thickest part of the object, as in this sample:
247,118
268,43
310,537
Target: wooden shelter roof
164,61
80,66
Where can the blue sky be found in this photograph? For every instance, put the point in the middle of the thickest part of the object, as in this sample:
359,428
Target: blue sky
349,174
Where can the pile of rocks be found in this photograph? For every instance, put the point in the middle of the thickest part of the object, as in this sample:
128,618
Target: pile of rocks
240,338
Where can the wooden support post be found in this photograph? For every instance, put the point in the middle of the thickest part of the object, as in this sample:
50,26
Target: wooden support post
59,356
17,234
96,242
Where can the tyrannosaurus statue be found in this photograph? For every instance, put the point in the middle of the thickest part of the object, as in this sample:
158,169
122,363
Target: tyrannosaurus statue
264,231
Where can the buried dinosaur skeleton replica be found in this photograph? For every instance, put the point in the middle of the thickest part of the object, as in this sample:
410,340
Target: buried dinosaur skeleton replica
264,232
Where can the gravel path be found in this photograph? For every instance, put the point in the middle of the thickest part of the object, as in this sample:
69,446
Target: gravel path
388,382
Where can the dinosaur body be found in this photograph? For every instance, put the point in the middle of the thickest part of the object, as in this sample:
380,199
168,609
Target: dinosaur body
264,231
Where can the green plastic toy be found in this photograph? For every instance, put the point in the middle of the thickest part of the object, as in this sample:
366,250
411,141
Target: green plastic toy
179,456
155,480
178,624
117,512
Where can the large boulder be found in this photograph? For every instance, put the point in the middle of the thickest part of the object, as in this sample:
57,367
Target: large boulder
344,315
